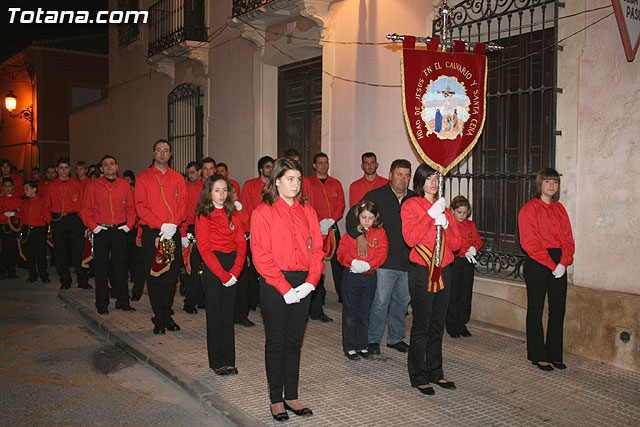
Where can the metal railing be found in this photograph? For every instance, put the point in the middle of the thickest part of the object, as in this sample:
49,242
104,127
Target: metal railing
174,21
243,6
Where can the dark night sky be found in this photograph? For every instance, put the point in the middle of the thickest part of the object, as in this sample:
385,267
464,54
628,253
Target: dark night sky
15,37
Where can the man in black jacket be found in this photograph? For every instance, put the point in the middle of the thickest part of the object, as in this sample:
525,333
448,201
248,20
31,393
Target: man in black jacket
392,290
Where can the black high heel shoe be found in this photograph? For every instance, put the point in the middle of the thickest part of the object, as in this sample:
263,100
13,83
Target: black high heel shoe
299,412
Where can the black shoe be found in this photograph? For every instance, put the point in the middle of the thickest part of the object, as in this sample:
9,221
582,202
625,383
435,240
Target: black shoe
429,391
247,323
352,356
191,309
282,416
559,365
221,371
546,368
65,286
323,318
466,332
158,330
374,348
202,306
85,286
31,279
103,310
450,385
172,326
454,335
125,307
401,346
364,354
136,297
45,279
299,412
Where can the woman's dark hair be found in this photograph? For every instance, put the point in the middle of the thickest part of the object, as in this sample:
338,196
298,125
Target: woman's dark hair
205,204
129,173
546,173
368,205
423,172
460,201
281,166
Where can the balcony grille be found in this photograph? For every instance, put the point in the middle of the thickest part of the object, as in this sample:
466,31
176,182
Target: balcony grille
175,21
130,32
241,7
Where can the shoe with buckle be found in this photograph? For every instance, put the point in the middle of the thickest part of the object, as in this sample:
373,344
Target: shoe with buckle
352,355
159,329
280,416
364,354
374,348
299,412
401,346
172,325
449,385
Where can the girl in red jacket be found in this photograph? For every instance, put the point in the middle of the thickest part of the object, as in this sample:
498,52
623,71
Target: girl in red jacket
459,311
223,249
547,239
429,285
359,280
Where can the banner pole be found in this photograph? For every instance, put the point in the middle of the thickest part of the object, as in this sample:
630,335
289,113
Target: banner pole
439,227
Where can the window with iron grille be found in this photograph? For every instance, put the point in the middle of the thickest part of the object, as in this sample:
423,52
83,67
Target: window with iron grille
130,32
520,126
185,125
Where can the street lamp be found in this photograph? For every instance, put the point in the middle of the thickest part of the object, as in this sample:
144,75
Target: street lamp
11,102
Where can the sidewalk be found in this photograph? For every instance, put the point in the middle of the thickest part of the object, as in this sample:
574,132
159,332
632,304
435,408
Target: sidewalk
497,386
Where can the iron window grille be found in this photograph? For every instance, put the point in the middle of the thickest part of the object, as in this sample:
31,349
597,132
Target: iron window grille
129,32
172,22
185,125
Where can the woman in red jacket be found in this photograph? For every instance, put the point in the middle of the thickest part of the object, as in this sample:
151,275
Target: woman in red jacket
547,239
359,279
462,271
286,245
223,249
429,285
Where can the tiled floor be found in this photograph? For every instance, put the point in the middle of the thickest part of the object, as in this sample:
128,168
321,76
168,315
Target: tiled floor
496,384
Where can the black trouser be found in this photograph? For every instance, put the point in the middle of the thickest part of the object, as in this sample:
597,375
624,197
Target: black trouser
318,296
68,242
194,293
242,302
220,301
161,289
284,328
540,283
135,263
253,287
110,265
429,312
358,291
459,311
35,250
9,254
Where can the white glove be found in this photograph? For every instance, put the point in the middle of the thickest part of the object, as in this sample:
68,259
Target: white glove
442,220
238,205
231,281
291,297
124,228
559,271
98,229
437,208
470,258
472,251
359,266
167,231
9,214
185,242
325,225
304,290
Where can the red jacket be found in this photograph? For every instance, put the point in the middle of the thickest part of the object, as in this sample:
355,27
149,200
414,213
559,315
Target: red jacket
545,226
215,233
63,196
286,238
32,212
419,228
376,255
84,183
251,196
468,237
362,186
327,199
161,198
108,203
8,204
193,197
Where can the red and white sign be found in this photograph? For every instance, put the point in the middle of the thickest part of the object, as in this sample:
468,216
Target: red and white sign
628,17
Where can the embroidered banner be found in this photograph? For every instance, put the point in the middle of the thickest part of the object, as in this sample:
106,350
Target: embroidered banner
444,101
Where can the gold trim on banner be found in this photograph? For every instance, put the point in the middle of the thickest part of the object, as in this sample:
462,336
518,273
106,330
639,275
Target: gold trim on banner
415,143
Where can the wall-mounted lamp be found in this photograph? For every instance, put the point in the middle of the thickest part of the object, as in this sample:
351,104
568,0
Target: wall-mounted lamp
11,102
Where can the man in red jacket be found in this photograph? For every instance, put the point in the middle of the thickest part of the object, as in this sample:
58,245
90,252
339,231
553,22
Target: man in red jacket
327,197
161,200
108,210
369,181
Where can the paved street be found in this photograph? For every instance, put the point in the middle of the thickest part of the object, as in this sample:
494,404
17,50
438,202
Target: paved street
497,386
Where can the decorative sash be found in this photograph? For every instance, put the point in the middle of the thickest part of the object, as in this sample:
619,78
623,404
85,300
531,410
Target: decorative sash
435,282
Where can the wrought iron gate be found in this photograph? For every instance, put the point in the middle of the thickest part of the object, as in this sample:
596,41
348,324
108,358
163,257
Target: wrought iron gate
520,126
185,125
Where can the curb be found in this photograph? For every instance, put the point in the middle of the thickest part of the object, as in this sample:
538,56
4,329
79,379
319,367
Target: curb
213,403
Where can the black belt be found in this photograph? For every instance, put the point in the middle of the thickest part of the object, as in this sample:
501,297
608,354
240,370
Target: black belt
58,215
113,226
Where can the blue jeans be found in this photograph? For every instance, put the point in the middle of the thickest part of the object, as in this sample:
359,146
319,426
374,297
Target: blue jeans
392,298
357,296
